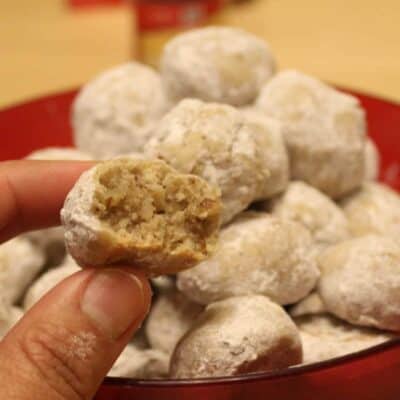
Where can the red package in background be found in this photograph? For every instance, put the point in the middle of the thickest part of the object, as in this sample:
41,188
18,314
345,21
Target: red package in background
92,3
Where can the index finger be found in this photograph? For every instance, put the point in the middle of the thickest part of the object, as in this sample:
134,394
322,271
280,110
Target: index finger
33,192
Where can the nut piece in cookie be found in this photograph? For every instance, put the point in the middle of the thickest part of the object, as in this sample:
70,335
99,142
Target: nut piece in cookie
142,213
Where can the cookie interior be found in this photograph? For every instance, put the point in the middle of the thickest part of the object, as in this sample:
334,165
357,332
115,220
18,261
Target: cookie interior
150,205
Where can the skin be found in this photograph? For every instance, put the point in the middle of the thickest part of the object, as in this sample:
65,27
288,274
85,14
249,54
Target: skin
65,345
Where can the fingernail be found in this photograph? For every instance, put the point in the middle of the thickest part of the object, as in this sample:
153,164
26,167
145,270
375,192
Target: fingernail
113,301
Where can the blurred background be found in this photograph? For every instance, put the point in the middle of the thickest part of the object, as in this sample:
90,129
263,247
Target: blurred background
52,45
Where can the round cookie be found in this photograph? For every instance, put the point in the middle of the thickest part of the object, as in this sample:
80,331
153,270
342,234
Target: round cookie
375,209
48,281
115,113
170,317
324,337
360,281
237,336
225,65
217,143
20,262
310,305
371,161
142,213
324,130
256,254
314,210
140,364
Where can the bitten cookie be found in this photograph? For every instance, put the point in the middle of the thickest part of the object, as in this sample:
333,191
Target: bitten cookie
142,213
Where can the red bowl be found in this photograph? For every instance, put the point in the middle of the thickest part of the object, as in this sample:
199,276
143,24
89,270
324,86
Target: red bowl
370,374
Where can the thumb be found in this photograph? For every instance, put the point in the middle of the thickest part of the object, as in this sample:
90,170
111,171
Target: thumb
67,342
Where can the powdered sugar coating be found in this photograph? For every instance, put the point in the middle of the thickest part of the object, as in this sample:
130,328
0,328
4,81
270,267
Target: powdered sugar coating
256,254
360,281
274,150
324,337
237,335
140,364
221,64
215,142
323,128
375,209
371,160
115,113
310,305
20,262
48,281
315,211
82,228
170,317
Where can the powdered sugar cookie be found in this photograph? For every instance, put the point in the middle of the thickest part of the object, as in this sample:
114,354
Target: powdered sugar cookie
217,143
115,113
142,213
221,64
360,281
256,254
237,335
323,128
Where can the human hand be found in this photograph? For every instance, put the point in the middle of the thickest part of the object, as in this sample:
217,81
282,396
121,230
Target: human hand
64,345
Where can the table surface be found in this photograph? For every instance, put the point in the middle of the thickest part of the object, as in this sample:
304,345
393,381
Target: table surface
46,47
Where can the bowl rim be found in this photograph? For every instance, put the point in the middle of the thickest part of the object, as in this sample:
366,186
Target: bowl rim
256,376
